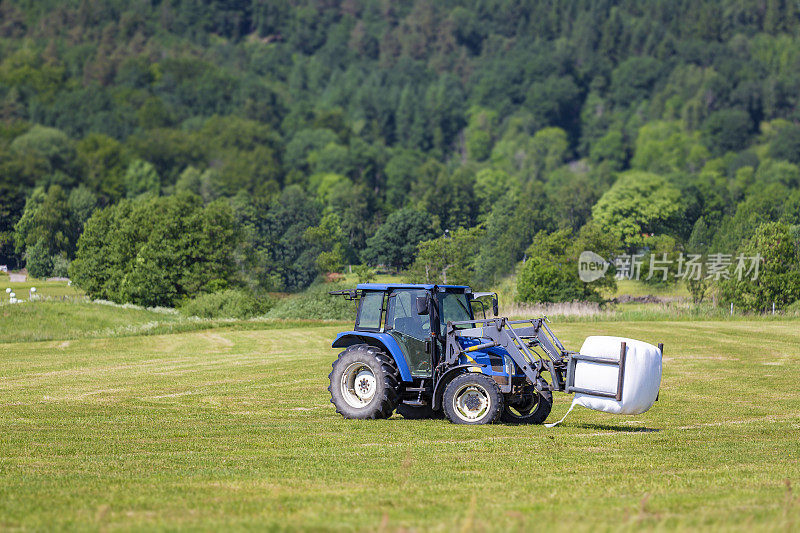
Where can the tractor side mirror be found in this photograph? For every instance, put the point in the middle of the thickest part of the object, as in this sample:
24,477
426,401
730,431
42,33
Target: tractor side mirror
495,306
422,305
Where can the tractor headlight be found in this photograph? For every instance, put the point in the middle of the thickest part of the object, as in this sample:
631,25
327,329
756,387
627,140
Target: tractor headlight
509,367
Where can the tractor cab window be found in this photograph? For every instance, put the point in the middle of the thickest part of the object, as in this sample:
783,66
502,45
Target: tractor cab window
455,308
403,317
370,310
478,308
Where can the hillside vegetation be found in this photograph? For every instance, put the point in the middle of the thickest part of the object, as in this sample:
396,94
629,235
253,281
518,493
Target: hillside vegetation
261,144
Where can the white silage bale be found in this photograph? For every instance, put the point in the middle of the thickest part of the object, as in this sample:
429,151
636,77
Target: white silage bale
641,379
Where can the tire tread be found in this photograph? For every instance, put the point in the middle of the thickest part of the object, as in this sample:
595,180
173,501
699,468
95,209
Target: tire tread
390,379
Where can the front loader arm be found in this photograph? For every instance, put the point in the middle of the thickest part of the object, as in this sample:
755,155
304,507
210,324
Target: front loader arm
518,342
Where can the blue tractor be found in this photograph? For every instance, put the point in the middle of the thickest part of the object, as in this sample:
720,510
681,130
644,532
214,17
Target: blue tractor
421,350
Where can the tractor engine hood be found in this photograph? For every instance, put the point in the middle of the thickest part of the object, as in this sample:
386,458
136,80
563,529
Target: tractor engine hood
496,359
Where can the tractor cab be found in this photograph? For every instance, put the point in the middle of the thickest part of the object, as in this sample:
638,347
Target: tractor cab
416,317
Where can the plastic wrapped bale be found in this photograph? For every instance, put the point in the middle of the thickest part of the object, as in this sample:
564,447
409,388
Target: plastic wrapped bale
641,378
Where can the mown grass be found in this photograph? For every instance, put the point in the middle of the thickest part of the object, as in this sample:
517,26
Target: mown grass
233,429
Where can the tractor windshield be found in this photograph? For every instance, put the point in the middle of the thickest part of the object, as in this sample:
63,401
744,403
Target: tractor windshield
454,308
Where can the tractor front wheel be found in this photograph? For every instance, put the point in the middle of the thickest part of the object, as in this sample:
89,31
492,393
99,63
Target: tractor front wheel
527,408
364,383
472,398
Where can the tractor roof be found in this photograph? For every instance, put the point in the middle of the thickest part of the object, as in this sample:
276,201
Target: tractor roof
387,286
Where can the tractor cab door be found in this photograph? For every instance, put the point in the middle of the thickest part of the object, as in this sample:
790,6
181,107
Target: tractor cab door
412,331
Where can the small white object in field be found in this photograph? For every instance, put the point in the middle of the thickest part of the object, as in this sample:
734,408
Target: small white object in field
12,295
8,290
33,289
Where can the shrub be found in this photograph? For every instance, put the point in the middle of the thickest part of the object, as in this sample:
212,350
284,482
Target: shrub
60,266
364,273
315,303
230,303
542,280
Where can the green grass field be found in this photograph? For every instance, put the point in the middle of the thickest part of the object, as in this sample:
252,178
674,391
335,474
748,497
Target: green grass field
44,289
232,427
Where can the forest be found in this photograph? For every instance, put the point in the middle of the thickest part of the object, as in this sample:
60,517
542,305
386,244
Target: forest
154,151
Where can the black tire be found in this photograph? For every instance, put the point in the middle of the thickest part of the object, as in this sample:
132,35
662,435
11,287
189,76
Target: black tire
472,398
527,408
414,412
380,394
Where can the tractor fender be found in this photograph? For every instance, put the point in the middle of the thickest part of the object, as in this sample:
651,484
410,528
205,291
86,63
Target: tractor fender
383,341
447,377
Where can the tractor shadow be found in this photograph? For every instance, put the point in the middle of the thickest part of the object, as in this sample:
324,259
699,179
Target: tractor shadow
617,428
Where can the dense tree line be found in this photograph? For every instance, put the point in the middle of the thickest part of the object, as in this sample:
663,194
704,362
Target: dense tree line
334,132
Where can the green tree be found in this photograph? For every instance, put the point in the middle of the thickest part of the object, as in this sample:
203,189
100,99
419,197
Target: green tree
141,178
38,260
395,242
46,222
330,241
727,130
571,194
555,101
364,273
447,260
639,203
610,149
633,79
277,255
104,161
82,203
510,228
480,132
401,173
666,147
490,185
550,273
12,205
778,278
47,151
786,144
530,157
156,251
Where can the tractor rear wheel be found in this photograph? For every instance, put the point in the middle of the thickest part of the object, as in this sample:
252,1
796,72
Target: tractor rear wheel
364,383
530,407
472,398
